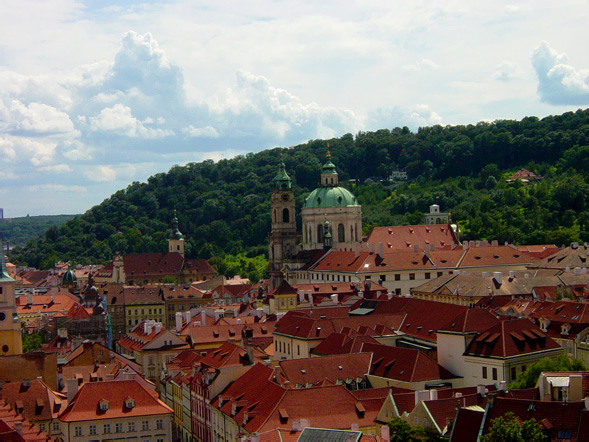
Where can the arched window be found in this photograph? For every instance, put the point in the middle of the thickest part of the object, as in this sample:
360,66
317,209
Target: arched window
285,215
341,234
319,232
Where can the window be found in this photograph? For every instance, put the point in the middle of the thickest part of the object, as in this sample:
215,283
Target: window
428,275
397,276
106,428
285,215
131,426
513,373
341,234
412,276
118,427
397,291
383,278
159,424
484,372
440,274
523,368
55,426
145,425
92,430
77,431
42,427
494,374
319,232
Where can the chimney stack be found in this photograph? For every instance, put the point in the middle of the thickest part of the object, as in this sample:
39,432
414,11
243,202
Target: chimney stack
188,316
334,299
203,318
72,388
498,276
380,250
178,321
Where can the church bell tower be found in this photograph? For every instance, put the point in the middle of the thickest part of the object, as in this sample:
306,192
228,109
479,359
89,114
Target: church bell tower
283,239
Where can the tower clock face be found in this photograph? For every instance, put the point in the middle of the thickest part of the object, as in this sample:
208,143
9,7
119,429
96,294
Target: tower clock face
285,196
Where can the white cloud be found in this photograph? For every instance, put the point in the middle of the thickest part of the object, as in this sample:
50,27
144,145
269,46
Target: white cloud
119,119
101,174
56,168
77,151
35,118
196,132
558,82
506,70
421,65
38,152
415,117
55,188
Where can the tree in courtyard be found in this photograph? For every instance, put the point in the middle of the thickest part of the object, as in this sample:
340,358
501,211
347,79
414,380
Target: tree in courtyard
529,377
508,428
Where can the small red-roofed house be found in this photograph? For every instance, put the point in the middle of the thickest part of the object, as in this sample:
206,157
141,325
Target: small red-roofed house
36,402
406,368
502,352
124,409
150,345
15,428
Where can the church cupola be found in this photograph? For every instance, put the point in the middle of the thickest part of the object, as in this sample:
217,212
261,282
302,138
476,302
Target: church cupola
176,242
282,180
329,173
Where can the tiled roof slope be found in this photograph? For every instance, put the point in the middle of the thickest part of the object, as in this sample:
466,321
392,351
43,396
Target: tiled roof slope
311,371
404,364
467,424
572,256
472,320
511,338
404,237
562,416
38,401
9,419
85,405
342,343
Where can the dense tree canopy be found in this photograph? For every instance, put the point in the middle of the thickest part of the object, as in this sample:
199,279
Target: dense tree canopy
509,428
223,207
529,377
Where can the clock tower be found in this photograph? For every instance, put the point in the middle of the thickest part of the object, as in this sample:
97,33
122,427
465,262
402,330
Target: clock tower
284,238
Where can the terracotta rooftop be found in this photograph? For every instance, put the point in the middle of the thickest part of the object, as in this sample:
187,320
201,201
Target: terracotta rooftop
9,419
573,256
404,237
312,371
404,364
85,405
511,338
34,399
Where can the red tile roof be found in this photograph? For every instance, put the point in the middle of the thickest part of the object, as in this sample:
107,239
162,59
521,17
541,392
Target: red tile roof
467,424
404,237
404,364
495,255
227,355
442,410
9,419
84,406
472,320
562,416
38,401
312,371
511,338
342,343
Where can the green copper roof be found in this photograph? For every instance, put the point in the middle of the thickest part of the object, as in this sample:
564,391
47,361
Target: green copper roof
4,276
328,167
69,277
330,197
176,234
282,180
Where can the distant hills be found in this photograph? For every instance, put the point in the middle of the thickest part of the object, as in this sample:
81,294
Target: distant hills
18,231
224,207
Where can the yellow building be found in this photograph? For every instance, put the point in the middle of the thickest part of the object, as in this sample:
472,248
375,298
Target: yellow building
10,334
143,303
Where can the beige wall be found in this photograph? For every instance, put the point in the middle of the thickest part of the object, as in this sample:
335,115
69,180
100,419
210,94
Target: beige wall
152,434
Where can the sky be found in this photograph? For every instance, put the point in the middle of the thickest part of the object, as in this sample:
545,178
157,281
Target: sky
97,94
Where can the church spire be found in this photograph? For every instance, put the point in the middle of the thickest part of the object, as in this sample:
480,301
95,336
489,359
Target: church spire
282,180
3,271
176,234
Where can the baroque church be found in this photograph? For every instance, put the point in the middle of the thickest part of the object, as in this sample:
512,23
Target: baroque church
331,218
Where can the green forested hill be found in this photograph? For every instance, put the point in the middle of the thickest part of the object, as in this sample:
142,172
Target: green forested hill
18,231
223,207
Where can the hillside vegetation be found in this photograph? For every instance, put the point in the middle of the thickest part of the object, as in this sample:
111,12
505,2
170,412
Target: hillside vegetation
18,231
224,207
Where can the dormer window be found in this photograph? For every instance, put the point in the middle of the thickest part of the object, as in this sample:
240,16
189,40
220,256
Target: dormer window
130,402
103,405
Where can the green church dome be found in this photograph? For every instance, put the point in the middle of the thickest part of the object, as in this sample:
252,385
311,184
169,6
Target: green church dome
69,277
330,197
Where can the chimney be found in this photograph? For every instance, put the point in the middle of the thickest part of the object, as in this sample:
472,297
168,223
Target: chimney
495,243
577,271
380,250
433,395
389,296
355,427
498,276
385,433
29,298
318,331
18,428
203,318
421,395
218,314
188,316
503,386
259,312
481,389
158,328
465,245
238,321
301,296
371,247
178,322
511,274
305,423
72,388
334,298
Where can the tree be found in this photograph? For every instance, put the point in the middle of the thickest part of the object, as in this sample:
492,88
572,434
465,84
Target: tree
529,377
401,431
31,342
509,428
